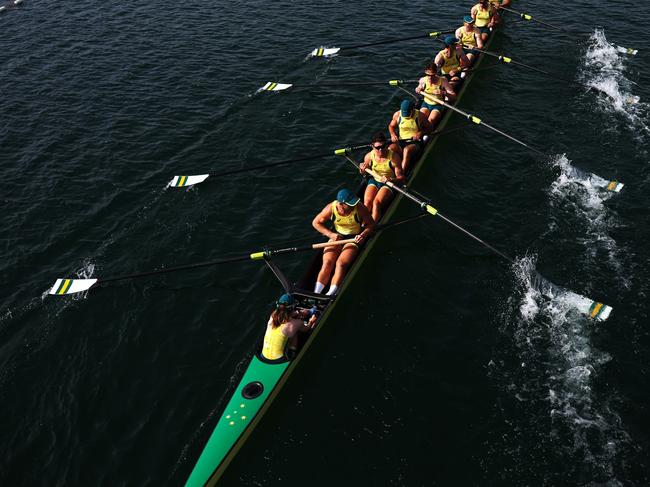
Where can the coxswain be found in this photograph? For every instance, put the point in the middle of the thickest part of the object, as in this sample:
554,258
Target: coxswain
451,60
407,127
348,220
432,84
283,326
470,38
483,14
387,165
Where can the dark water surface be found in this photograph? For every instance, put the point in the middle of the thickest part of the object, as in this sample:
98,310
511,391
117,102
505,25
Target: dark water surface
444,367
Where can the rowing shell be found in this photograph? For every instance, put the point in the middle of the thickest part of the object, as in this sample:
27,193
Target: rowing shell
263,379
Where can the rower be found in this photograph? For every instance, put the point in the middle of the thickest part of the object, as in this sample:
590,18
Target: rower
451,60
284,324
469,37
483,15
432,84
388,166
348,220
406,128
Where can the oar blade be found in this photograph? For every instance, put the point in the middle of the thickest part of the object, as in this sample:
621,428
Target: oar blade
627,50
273,86
325,51
186,181
63,287
615,186
595,310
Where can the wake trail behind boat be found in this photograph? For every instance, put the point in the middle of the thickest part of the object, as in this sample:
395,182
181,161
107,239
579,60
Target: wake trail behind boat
558,364
604,68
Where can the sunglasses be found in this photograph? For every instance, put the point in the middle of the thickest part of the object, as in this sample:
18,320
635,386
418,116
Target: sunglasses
379,147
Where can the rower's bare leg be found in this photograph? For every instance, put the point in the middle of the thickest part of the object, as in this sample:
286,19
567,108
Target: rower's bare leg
471,58
434,118
408,151
330,255
348,254
383,198
369,196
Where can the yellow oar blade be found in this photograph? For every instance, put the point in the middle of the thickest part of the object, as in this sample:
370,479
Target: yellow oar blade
71,286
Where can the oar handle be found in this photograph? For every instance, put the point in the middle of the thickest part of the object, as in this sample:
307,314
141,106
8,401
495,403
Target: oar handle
333,243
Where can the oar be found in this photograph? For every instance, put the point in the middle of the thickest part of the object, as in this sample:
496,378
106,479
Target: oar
65,286
71,286
525,16
509,60
187,181
610,185
274,86
593,309
331,51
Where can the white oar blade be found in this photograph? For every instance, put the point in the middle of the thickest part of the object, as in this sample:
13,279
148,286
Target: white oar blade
593,309
632,100
627,50
272,86
2,8
325,51
186,181
71,286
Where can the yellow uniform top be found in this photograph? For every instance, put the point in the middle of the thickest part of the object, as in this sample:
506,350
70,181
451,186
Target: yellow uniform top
409,126
434,89
383,167
467,38
452,62
346,224
483,16
275,342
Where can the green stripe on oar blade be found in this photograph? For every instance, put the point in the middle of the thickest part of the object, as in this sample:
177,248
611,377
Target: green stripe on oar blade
71,286
185,181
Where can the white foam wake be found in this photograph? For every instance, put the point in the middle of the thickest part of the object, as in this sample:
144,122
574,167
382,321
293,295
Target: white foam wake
579,196
564,373
604,68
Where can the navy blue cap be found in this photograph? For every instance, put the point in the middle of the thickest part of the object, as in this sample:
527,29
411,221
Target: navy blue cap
347,197
469,19
287,300
449,40
406,107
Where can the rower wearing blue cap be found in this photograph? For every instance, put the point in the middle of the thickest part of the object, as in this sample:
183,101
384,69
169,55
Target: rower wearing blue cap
407,127
348,220
282,329
470,38
451,60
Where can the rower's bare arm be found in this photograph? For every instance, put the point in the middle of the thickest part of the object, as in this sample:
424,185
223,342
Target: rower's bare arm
392,126
421,85
366,162
367,220
473,13
319,223
439,61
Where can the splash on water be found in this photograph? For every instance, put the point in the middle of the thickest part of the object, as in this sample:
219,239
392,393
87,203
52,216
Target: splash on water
580,196
557,369
604,68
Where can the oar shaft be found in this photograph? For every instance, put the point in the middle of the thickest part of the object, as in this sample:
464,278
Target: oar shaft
478,121
397,39
526,16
